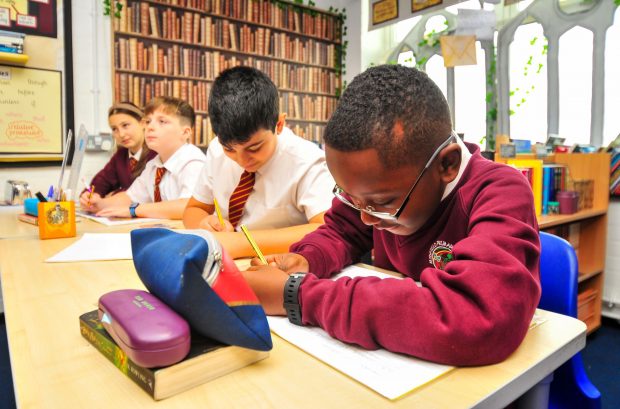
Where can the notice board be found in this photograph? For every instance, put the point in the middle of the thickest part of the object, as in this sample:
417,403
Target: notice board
30,111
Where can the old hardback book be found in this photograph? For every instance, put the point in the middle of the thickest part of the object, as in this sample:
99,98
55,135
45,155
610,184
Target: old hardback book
206,360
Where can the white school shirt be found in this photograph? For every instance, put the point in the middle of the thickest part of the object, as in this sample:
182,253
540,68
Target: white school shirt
291,188
182,171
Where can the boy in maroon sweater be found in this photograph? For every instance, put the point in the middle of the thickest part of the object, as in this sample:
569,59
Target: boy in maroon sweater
434,210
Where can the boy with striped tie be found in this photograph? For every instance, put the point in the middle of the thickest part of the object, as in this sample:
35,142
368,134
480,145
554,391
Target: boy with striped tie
259,172
163,188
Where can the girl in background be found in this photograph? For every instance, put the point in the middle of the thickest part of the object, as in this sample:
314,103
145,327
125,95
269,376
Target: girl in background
128,162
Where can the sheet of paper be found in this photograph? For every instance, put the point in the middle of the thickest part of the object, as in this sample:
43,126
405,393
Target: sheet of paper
480,23
391,375
96,247
114,221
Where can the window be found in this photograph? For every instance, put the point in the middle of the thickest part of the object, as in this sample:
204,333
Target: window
575,76
470,98
611,125
528,83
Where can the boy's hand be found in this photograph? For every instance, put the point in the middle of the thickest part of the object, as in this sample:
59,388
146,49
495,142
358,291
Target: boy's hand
91,205
268,285
212,223
288,262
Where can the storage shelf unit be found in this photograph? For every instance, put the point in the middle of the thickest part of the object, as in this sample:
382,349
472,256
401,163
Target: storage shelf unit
178,47
590,227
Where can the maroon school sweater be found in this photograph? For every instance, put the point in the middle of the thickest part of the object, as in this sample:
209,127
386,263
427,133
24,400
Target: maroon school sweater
116,175
476,258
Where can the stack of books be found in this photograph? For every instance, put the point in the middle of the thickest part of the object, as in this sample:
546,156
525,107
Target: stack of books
11,42
206,360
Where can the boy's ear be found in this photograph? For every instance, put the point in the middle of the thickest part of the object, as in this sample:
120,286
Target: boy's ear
187,133
450,162
281,123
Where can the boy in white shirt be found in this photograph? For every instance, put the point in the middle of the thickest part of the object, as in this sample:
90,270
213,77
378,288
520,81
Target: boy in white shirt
163,188
260,173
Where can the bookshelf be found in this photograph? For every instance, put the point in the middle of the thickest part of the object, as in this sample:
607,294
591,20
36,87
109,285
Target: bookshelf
178,47
587,231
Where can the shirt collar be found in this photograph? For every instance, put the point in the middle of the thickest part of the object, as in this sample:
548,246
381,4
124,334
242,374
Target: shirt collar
173,162
465,157
136,155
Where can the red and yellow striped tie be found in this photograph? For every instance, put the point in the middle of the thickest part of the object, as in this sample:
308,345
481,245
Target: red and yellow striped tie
239,197
159,174
133,162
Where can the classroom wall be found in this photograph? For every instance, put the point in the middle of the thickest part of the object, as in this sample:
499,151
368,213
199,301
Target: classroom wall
92,77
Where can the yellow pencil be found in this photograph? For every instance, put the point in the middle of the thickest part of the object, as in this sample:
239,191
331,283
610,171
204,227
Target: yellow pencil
253,244
219,213
90,195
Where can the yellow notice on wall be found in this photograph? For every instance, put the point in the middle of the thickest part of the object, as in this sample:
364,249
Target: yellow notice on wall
15,7
30,111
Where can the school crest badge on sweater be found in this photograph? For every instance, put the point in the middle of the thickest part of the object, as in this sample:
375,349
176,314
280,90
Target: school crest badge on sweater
440,254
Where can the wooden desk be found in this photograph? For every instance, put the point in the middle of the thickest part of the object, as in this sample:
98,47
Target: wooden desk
54,367
11,227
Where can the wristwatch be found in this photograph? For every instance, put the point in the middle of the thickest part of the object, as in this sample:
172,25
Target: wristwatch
132,209
291,301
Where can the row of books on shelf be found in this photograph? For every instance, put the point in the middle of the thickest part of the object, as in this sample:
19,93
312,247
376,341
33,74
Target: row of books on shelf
307,107
11,42
546,181
143,17
192,29
203,131
132,54
614,178
139,90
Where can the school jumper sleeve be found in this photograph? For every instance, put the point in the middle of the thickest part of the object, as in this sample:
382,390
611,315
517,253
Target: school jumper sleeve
115,175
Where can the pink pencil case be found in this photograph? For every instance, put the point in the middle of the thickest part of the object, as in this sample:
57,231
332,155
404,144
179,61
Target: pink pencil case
146,329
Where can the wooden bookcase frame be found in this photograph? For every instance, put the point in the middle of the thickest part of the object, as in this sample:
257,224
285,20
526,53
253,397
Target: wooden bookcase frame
316,106
592,231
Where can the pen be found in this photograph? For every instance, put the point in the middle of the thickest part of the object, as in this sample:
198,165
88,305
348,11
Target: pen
253,244
50,193
219,213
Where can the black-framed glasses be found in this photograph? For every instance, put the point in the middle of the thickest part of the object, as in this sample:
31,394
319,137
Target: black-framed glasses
369,209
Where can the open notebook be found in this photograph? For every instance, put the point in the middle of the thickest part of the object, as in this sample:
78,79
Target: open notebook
115,221
389,374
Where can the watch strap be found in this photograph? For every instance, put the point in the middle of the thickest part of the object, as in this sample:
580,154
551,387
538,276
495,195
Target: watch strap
132,209
291,300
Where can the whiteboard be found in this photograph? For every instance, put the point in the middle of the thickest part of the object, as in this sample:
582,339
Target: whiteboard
30,111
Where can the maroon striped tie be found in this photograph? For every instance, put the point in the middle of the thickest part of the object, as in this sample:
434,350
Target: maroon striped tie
239,197
132,164
159,174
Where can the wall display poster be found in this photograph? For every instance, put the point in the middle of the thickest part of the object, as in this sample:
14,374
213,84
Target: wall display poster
30,112
34,17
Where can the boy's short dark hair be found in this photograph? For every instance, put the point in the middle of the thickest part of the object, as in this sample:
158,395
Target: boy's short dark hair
243,100
398,111
172,106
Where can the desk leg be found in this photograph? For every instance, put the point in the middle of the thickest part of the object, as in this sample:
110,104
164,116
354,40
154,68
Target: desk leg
538,396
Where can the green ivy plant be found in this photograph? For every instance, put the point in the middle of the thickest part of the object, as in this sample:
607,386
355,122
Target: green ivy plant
491,101
341,49
531,67
430,40
112,7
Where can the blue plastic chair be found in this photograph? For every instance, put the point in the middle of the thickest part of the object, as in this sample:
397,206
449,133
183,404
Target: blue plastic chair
571,387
